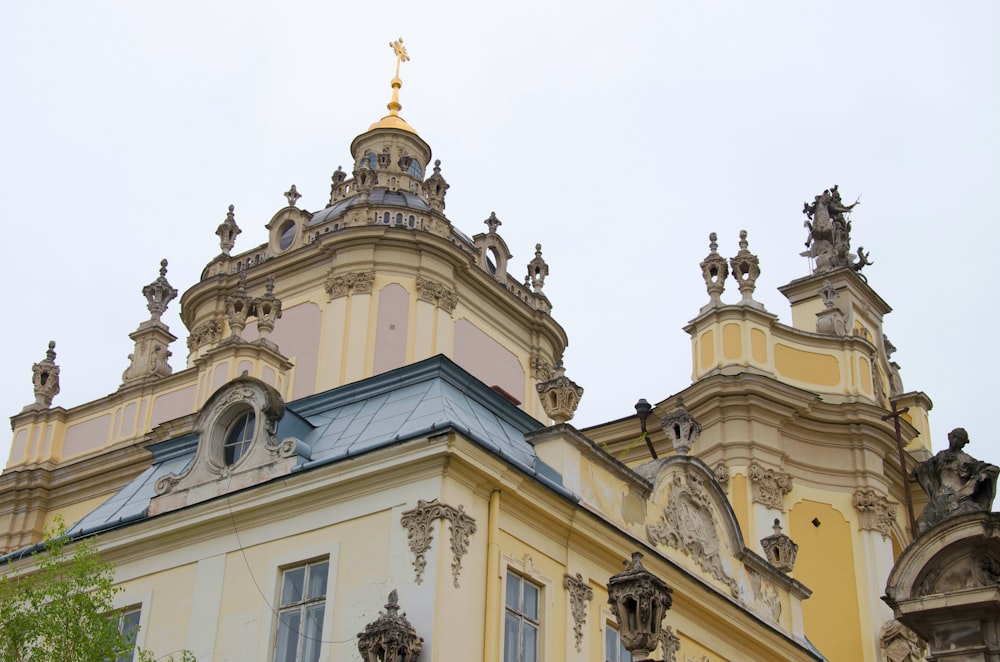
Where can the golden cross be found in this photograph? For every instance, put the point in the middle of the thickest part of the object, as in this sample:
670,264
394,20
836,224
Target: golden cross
400,51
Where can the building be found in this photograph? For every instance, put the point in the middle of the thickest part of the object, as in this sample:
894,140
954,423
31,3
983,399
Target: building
372,404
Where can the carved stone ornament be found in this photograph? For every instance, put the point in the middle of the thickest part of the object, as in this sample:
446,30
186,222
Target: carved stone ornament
715,271
830,321
769,487
435,188
721,472
390,637
956,483
780,549
238,307
434,292
210,473
45,379
895,380
639,600
681,428
766,600
542,368
292,195
538,269
158,294
875,511
227,231
900,644
688,524
206,333
419,522
580,594
670,644
357,282
267,309
149,359
560,395
746,270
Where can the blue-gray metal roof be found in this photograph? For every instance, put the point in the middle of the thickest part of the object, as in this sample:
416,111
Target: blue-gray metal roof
377,196
408,403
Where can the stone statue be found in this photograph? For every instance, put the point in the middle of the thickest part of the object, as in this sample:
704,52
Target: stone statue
829,240
956,483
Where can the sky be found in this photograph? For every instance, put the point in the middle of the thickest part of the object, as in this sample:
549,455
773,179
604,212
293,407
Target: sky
617,135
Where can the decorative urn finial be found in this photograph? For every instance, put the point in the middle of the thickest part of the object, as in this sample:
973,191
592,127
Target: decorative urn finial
715,271
780,549
746,269
681,427
238,306
538,269
390,637
560,395
435,188
267,309
639,600
493,222
227,231
292,195
159,293
45,379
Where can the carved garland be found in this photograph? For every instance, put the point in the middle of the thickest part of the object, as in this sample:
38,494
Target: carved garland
434,292
360,282
769,486
875,511
689,525
579,594
418,523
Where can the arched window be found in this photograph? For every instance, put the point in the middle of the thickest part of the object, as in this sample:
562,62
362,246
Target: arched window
238,438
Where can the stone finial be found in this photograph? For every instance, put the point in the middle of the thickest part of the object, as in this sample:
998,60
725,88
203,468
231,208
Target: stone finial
159,293
493,222
336,181
238,305
639,600
714,270
830,321
45,379
364,178
746,269
227,231
895,380
780,549
681,427
266,309
390,637
560,395
538,270
956,483
292,195
435,188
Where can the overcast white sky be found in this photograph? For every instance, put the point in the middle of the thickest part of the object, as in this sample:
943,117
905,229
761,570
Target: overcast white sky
616,134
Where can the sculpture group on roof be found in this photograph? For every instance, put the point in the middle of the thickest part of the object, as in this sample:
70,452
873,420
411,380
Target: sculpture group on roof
829,240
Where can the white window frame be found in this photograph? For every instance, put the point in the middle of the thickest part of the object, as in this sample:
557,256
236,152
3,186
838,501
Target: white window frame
525,567
610,624
129,601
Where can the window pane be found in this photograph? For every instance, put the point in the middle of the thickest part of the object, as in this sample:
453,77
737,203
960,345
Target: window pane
610,645
530,645
513,591
623,655
317,580
312,633
531,601
510,638
291,590
288,637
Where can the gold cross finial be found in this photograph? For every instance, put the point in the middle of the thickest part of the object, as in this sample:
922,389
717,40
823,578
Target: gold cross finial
401,56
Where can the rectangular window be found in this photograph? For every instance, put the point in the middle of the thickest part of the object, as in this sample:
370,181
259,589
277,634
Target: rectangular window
521,620
300,612
128,627
614,650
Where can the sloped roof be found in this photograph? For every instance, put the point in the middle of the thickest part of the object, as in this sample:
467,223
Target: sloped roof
414,401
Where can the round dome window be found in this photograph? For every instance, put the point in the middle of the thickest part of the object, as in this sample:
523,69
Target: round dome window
287,235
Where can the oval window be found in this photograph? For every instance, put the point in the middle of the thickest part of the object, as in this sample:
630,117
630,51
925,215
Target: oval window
238,438
287,235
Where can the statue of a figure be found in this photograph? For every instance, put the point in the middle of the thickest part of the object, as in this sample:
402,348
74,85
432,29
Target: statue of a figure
956,483
829,240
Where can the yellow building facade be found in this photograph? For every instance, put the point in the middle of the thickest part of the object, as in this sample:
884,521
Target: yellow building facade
371,402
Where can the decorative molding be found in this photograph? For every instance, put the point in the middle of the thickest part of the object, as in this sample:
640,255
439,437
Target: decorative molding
579,595
357,282
769,486
432,291
670,644
206,333
419,533
721,472
688,524
765,596
875,511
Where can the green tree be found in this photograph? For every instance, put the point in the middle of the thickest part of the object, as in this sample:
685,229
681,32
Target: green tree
58,605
